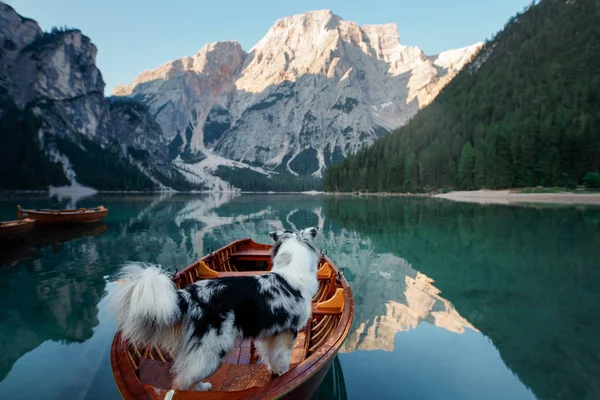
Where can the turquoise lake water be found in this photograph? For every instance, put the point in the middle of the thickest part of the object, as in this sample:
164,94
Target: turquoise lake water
453,301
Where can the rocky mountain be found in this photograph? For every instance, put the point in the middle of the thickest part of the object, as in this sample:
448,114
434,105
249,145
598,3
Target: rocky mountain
56,127
314,89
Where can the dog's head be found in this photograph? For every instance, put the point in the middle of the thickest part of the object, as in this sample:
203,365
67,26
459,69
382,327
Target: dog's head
305,236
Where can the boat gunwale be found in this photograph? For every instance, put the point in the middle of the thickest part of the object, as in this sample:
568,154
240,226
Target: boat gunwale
278,387
17,227
69,212
57,217
16,223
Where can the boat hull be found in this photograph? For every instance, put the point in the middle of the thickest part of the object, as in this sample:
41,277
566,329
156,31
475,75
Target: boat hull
15,228
308,388
64,217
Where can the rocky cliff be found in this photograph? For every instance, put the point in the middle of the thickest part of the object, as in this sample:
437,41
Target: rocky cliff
314,89
56,125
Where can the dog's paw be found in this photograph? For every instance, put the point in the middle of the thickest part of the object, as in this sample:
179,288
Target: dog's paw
268,364
275,372
204,386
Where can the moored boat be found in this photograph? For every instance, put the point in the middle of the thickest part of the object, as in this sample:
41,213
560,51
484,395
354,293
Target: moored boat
15,228
144,372
54,217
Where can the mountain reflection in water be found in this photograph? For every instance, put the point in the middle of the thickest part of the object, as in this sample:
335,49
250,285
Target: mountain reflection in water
452,300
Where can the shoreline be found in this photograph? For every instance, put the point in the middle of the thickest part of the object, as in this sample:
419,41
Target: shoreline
507,196
511,197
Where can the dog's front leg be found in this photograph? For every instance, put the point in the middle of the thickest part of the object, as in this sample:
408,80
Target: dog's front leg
276,351
191,368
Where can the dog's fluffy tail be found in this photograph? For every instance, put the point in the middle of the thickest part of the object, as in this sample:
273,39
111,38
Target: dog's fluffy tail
145,304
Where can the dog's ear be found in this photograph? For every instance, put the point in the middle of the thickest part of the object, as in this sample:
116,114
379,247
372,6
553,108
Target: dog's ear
275,235
310,233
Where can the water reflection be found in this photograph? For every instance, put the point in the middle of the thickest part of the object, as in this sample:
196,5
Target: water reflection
18,248
39,302
70,194
458,294
46,299
527,278
395,298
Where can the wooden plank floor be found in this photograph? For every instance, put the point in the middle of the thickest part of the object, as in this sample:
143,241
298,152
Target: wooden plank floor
240,371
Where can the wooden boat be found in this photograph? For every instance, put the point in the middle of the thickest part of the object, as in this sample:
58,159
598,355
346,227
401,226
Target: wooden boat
75,216
15,228
144,373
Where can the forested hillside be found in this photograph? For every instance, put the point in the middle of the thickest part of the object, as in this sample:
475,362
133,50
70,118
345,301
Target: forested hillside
525,112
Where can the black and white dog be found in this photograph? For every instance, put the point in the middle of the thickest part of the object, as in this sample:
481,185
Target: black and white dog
199,324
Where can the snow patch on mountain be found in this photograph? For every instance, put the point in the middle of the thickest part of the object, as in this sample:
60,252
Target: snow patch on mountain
202,172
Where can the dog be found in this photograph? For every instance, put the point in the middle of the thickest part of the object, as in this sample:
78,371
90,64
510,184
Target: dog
199,324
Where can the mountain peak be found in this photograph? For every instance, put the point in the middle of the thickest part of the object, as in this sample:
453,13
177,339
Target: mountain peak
310,24
224,56
216,54
226,45
317,18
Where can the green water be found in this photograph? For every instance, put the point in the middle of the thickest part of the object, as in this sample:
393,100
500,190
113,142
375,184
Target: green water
453,301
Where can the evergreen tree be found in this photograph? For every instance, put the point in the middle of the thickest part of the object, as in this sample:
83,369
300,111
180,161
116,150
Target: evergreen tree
466,168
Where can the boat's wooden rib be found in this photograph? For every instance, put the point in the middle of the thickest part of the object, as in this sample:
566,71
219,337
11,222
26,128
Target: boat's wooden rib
15,228
145,373
57,217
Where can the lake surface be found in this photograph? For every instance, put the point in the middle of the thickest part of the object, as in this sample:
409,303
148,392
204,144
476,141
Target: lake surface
453,301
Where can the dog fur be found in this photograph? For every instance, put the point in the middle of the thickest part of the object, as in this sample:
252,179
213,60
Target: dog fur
199,324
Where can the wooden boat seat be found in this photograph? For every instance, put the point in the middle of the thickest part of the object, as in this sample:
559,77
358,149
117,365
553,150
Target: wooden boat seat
252,254
325,272
247,273
332,306
241,273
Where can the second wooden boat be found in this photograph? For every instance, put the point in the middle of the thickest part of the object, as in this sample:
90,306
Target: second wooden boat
144,373
15,228
75,216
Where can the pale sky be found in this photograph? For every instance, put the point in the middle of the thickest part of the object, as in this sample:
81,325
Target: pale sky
136,35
